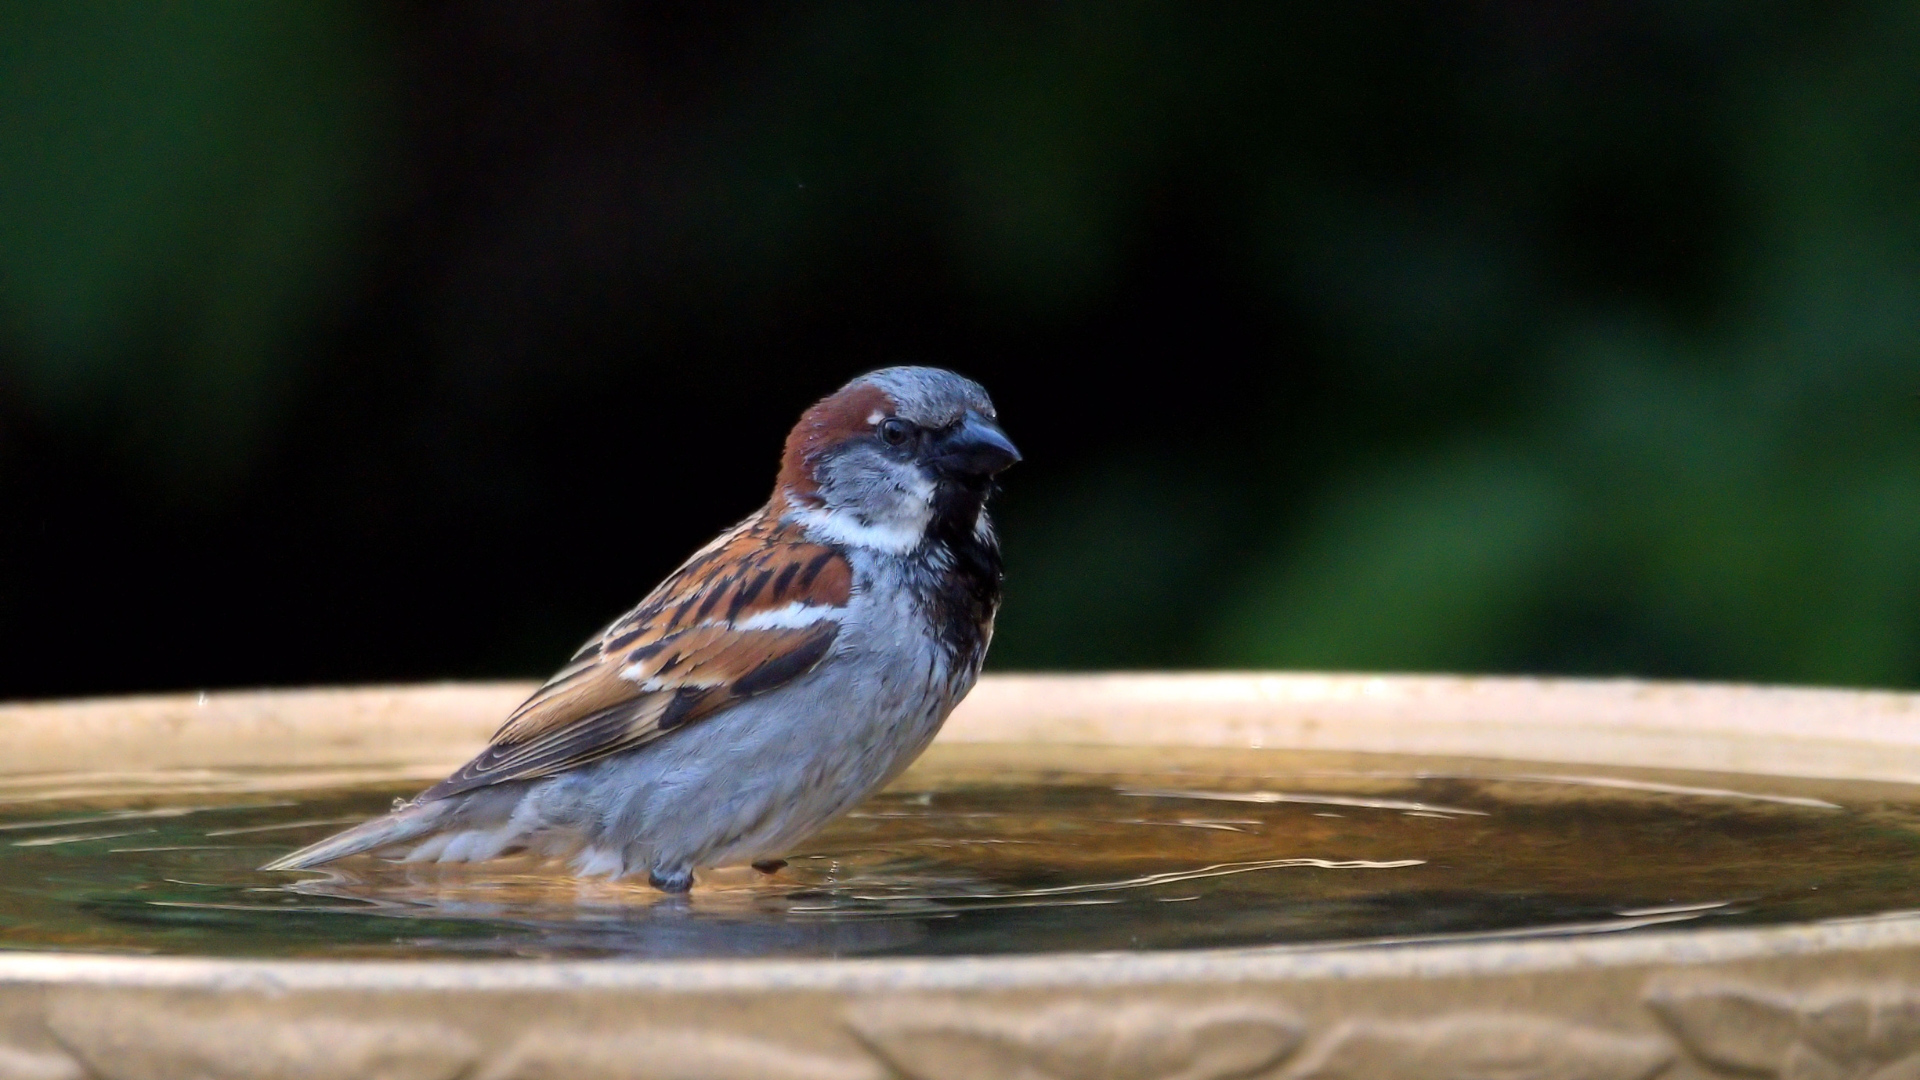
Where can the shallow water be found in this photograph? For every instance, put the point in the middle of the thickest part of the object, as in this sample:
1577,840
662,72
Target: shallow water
977,850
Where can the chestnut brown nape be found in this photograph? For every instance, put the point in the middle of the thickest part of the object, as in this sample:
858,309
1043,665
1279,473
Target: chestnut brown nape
845,414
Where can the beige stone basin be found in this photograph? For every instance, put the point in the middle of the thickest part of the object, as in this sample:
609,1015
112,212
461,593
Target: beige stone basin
1835,999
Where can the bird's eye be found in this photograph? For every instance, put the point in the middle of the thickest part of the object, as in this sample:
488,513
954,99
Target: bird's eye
894,431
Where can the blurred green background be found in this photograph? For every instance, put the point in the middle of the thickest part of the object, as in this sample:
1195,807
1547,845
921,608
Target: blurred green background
394,342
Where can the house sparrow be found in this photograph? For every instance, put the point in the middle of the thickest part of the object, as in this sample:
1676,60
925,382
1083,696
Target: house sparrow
789,668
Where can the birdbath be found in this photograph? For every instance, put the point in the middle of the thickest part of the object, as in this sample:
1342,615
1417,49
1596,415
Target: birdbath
1138,876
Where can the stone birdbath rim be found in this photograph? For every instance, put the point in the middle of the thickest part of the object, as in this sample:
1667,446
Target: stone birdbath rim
1829,734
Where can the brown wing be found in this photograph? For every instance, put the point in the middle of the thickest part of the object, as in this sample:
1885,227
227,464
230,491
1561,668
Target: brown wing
755,609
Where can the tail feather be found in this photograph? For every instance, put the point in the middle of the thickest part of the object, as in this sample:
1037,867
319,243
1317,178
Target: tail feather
398,827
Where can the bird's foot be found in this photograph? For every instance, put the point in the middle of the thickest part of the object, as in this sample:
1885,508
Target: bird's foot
770,866
680,881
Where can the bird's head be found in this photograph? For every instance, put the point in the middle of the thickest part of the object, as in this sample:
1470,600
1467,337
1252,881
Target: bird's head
894,456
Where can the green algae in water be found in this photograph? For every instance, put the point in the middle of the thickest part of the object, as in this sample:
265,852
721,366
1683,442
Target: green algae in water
986,850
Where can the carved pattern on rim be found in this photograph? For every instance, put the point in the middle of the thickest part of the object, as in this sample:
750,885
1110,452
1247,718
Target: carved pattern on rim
1836,1031
1078,1040
136,1039
667,1054
1477,1045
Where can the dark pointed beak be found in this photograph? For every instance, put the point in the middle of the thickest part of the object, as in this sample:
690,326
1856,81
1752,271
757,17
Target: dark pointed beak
977,449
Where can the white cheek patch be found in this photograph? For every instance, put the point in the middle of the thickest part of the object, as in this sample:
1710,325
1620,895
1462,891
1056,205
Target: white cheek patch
917,487
871,501
845,527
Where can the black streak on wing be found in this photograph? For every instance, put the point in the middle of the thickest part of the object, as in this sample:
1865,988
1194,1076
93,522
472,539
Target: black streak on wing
706,606
813,569
747,592
682,706
785,579
647,650
788,666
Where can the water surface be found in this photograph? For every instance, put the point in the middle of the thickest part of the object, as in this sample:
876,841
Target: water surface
980,850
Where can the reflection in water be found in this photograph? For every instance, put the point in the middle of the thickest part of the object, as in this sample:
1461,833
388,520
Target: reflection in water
978,851
598,918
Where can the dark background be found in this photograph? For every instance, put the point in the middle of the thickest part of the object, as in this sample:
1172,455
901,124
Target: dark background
379,343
